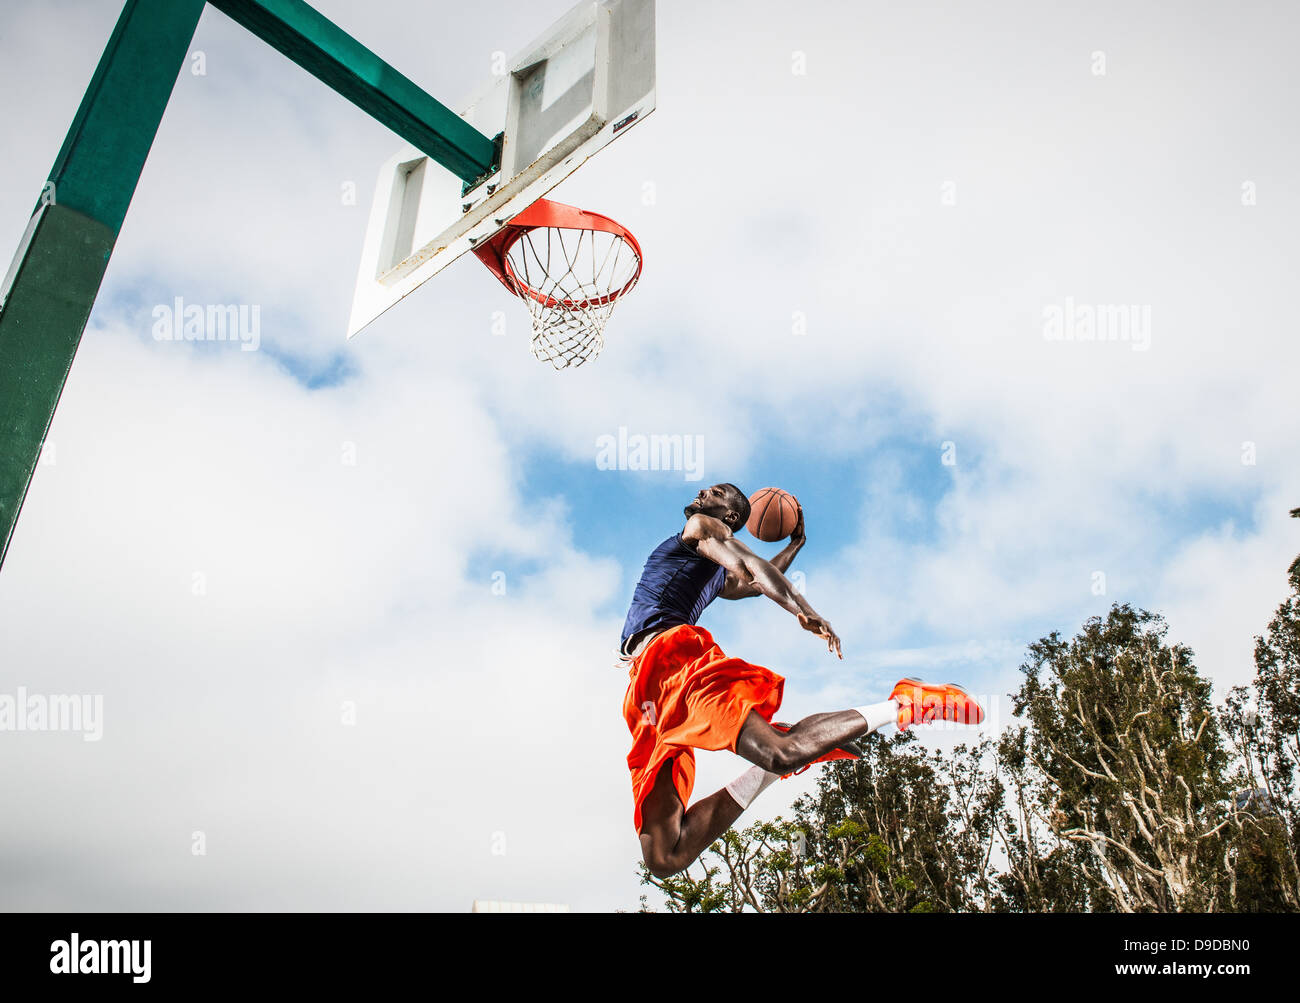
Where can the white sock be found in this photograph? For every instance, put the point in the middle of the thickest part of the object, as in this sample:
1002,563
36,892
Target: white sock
750,784
879,714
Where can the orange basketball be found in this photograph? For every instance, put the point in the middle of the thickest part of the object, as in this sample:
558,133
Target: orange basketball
773,514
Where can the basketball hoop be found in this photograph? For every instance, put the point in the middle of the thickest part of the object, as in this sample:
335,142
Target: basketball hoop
570,267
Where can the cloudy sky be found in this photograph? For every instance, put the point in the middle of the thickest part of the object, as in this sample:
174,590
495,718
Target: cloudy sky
865,227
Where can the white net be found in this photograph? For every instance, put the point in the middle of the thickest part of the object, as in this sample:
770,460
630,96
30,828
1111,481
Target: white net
570,280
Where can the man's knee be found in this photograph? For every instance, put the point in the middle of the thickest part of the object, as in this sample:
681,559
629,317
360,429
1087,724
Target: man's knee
661,867
775,751
787,760
658,861
779,755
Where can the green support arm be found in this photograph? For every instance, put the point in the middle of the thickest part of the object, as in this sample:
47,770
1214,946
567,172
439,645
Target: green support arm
327,52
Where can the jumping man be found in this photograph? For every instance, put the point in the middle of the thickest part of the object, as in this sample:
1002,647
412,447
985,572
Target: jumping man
686,694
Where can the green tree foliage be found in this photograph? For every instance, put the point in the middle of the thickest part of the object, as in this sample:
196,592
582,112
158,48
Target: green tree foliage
1121,728
901,830
1042,870
1263,722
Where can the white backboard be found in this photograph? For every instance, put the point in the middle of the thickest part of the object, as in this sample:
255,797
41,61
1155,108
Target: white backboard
568,95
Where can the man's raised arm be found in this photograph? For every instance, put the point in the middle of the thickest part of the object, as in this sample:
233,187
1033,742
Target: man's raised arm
798,538
738,589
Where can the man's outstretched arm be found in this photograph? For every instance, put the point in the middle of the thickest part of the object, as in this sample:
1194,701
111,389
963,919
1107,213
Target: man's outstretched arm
714,540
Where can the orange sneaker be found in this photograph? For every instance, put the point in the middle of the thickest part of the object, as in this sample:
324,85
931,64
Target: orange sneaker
921,703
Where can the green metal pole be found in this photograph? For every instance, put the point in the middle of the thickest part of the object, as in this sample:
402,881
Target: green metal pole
327,52
48,293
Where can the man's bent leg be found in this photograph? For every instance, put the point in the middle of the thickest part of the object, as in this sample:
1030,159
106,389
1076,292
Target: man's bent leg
671,836
784,752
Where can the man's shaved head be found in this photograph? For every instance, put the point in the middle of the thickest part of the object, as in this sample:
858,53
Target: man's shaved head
723,501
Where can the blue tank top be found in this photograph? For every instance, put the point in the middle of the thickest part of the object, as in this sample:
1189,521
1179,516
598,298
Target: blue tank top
676,584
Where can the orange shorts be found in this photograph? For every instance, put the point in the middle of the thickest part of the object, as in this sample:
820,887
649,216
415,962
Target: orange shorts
685,693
